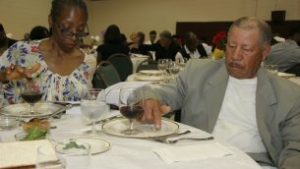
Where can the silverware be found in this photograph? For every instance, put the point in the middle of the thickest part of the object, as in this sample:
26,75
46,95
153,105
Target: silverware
188,138
164,139
105,120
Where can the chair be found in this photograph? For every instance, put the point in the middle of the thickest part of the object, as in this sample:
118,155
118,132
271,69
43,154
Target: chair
105,75
148,64
123,65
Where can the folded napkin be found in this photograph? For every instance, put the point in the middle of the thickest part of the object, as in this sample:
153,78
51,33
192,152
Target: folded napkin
23,153
203,150
111,94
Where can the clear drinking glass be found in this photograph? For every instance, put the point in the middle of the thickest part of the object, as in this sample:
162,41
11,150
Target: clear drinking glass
31,92
92,108
131,106
75,157
173,69
47,159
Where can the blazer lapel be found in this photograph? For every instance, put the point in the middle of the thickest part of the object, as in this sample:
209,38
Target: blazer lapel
265,98
214,92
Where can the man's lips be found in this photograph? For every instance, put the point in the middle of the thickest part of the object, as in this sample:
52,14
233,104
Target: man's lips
235,65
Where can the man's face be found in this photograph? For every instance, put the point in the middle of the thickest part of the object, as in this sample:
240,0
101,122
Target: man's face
245,52
164,42
152,37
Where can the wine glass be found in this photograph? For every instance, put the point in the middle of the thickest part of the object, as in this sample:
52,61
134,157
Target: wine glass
92,108
31,92
173,69
131,106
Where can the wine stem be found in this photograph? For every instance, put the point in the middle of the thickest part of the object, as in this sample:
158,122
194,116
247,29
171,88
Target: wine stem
93,127
131,124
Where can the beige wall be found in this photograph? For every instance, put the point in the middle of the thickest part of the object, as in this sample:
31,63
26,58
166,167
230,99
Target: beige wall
20,16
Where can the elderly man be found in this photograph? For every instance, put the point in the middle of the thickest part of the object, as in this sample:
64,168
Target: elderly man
238,101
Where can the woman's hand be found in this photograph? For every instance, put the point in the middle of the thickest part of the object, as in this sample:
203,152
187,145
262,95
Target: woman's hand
15,72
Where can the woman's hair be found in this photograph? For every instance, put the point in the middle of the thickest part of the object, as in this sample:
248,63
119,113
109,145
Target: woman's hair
58,5
112,35
39,32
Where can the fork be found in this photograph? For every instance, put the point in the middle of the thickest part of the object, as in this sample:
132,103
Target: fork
188,138
164,139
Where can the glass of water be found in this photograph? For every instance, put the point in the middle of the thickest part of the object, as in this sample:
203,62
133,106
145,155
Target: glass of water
47,159
92,108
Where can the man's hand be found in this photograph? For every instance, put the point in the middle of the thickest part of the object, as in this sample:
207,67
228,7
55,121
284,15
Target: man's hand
153,110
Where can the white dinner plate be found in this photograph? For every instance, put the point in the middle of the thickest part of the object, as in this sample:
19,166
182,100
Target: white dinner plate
140,77
151,72
97,145
286,75
117,126
23,110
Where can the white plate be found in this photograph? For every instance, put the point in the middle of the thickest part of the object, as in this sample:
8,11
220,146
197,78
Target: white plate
285,75
140,77
97,145
151,72
23,110
117,126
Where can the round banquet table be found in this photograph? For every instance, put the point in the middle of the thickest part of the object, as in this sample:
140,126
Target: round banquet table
128,153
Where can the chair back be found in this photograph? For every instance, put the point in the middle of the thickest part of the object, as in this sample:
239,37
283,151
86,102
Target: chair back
148,64
123,65
105,75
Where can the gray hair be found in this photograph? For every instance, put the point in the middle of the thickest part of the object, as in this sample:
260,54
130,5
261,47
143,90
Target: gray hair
252,23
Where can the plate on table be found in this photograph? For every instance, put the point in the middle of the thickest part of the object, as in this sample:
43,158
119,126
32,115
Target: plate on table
140,77
117,126
151,72
286,75
23,110
97,145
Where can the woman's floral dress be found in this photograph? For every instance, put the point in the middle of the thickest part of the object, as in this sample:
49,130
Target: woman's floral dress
55,87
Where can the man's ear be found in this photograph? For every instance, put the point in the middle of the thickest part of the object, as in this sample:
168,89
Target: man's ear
266,51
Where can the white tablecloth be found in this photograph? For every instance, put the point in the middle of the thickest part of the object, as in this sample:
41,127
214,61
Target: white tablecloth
138,153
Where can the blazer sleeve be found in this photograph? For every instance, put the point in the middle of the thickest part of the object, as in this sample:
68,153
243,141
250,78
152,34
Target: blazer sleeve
290,131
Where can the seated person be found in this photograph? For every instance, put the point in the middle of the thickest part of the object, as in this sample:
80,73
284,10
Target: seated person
112,44
166,48
286,54
236,99
138,41
5,42
152,38
62,67
38,33
192,48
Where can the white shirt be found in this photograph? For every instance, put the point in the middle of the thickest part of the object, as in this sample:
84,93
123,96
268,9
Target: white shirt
194,54
236,123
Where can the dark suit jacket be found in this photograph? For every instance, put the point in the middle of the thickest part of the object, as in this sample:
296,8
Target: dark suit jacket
200,49
106,50
162,52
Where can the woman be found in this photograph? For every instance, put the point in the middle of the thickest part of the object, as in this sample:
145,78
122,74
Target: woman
112,44
65,71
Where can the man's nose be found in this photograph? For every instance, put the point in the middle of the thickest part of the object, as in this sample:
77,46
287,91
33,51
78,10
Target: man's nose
237,54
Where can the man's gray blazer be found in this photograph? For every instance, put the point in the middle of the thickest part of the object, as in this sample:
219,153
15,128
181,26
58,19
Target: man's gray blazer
199,91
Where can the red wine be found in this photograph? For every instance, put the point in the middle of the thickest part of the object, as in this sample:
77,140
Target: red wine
131,112
31,97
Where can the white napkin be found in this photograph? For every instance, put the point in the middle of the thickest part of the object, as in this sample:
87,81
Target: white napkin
203,150
111,94
23,153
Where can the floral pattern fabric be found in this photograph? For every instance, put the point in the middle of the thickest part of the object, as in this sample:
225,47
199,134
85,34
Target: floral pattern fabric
55,87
